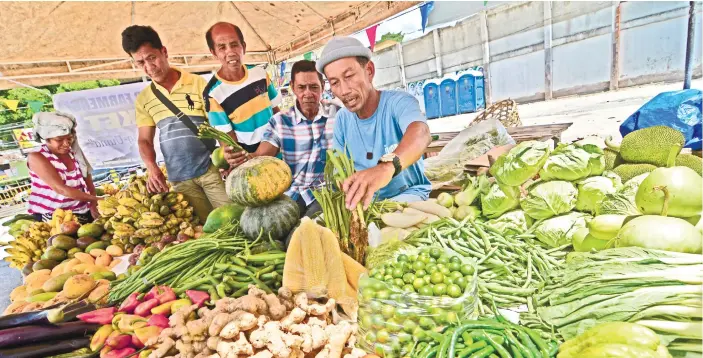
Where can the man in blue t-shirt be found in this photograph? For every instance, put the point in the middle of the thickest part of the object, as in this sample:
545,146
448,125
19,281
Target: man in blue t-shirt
384,131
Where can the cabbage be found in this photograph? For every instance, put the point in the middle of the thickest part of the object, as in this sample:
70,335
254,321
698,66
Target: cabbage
521,163
592,191
618,204
511,223
558,230
572,162
499,199
547,199
630,187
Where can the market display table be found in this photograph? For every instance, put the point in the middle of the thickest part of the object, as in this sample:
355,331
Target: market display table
520,134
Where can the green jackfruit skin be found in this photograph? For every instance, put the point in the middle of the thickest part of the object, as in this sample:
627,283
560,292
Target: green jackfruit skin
612,158
629,171
658,145
691,161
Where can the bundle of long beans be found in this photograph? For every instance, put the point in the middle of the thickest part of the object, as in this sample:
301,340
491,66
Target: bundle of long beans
510,268
207,132
204,262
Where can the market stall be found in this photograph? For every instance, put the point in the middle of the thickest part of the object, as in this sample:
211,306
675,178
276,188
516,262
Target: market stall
566,251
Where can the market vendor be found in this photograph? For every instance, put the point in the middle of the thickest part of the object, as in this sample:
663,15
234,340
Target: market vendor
302,135
59,172
385,132
187,157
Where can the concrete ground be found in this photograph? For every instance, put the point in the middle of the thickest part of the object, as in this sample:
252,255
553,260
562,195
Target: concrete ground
597,114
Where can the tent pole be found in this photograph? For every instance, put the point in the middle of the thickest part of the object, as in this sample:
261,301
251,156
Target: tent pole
688,71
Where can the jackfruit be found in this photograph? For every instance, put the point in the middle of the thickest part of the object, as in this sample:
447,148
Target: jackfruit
658,145
629,171
612,158
691,161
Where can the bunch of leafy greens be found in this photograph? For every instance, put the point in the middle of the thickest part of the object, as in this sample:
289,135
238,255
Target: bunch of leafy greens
547,199
521,163
657,289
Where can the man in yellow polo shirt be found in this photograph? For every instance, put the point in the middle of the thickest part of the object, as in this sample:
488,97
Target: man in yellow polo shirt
187,157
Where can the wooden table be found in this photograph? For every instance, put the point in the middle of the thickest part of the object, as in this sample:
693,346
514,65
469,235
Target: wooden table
520,134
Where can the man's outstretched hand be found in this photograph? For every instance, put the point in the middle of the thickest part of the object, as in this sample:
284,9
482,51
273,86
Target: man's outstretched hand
361,186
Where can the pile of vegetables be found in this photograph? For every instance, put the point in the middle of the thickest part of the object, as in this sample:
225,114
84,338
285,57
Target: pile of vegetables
258,325
486,338
47,332
418,291
657,289
615,339
222,266
510,268
125,330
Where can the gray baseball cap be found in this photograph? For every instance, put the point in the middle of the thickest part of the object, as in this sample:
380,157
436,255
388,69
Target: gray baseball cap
341,47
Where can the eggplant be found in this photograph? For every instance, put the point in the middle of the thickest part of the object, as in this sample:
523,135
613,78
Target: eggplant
45,349
51,315
22,336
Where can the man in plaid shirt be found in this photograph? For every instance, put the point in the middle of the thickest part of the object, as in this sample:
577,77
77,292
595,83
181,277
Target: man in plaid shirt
302,136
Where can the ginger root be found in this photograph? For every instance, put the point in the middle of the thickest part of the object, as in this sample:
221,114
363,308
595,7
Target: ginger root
314,309
295,316
218,322
241,321
338,337
229,349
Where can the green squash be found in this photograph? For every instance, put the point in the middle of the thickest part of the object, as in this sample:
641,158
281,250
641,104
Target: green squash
680,187
221,216
276,219
218,159
258,181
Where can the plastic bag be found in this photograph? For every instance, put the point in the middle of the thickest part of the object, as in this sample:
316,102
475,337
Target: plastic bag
469,144
393,315
680,110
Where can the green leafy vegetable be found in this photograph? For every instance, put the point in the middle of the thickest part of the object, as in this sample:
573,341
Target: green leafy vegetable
547,199
499,199
521,163
572,162
514,222
558,230
592,191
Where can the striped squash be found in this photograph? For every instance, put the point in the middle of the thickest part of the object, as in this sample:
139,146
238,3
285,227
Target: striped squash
258,181
276,219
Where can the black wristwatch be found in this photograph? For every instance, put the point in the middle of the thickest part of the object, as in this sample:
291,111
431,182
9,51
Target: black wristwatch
392,158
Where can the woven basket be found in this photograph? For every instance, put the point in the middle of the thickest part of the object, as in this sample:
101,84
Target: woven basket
504,111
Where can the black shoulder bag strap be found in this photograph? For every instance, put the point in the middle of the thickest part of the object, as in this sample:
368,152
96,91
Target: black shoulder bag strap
206,93
209,144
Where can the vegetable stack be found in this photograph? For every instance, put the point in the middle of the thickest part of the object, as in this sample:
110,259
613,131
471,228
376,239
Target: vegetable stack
657,289
218,265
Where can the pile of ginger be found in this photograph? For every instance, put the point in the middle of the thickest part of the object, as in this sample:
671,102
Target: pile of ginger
258,325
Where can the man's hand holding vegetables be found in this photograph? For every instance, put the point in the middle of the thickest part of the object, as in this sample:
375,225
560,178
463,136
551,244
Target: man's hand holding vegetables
384,131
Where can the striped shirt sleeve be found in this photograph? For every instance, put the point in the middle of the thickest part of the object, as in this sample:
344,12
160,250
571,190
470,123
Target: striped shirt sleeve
141,114
218,118
274,96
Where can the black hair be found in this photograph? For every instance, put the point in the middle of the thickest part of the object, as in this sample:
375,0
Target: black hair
362,60
305,66
135,36
208,34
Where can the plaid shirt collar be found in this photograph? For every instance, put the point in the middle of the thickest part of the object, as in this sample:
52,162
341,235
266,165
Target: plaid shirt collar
299,116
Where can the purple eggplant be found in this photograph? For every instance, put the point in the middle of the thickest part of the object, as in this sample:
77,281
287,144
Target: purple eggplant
46,349
51,315
22,336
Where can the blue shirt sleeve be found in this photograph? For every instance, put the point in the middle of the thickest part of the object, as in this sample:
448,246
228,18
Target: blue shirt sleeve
338,133
406,110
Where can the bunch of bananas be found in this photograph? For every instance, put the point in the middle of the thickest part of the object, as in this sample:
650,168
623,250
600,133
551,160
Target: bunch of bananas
28,246
58,218
110,189
134,216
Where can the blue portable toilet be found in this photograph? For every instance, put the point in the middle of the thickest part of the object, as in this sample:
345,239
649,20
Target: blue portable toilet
470,91
447,89
430,93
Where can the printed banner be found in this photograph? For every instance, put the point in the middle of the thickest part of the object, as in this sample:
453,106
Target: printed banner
25,138
107,128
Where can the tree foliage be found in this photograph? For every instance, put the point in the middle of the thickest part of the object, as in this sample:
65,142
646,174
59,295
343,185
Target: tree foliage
394,36
25,95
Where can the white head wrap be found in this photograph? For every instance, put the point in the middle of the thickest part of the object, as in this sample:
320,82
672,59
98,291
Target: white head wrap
56,124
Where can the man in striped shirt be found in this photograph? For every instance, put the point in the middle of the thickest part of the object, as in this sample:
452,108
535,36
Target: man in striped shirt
237,98
301,135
